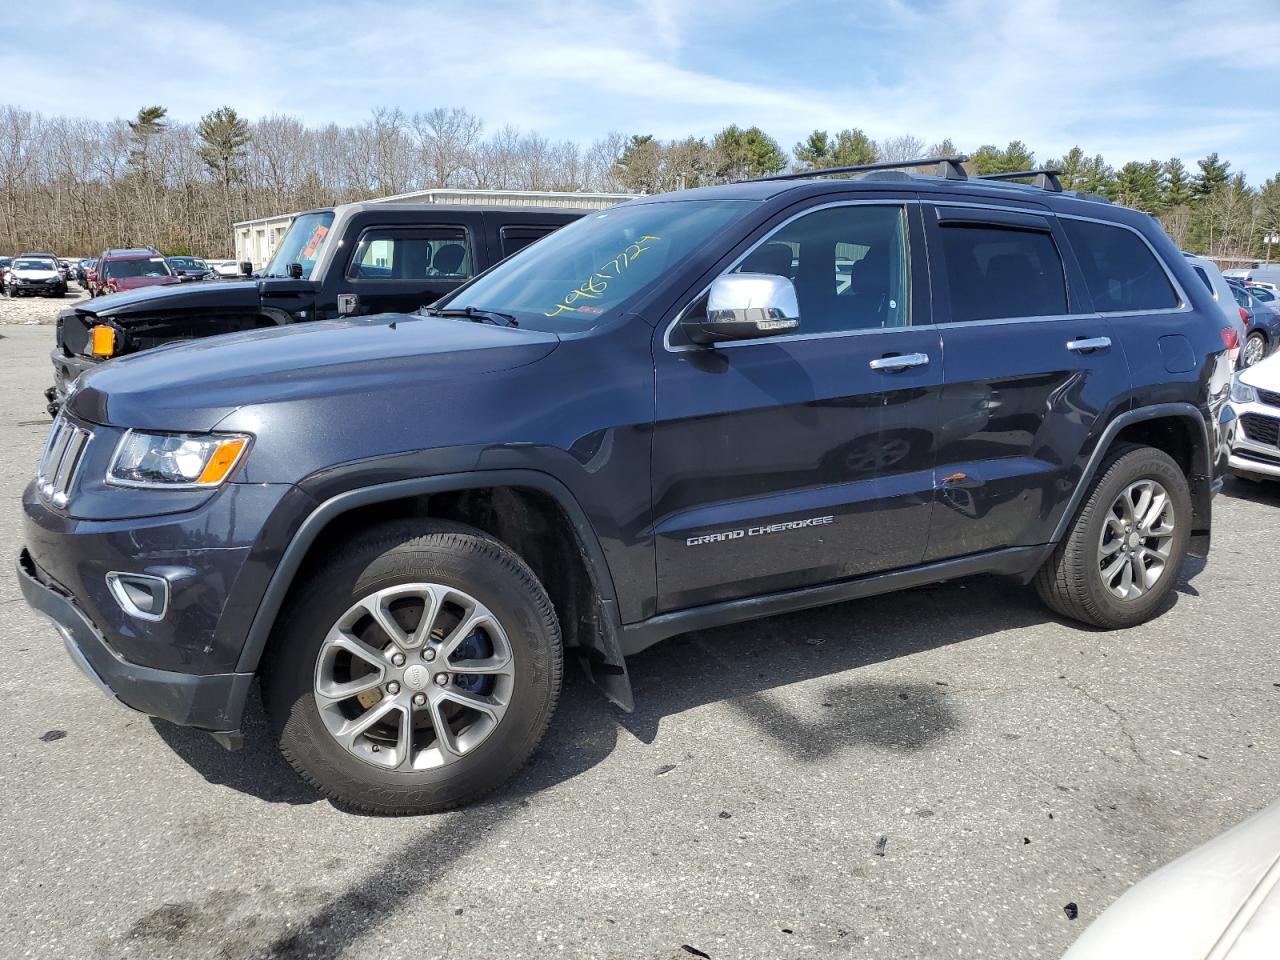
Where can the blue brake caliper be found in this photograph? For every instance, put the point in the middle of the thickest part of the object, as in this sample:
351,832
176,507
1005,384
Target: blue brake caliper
477,646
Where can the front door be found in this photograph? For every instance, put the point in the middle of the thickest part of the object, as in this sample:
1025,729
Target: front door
1030,369
399,269
806,458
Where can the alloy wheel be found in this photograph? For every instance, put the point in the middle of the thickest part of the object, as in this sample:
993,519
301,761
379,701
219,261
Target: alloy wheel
1254,350
1136,540
414,677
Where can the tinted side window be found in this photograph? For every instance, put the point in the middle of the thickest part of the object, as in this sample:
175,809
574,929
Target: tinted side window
998,272
850,267
1120,270
390,253
1204,278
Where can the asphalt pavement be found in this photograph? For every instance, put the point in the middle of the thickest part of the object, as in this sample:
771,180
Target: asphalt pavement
936,773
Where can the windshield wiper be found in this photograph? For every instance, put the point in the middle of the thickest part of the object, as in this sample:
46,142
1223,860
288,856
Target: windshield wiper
475,315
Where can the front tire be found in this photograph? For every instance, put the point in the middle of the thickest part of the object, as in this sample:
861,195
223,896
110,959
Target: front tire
1124,551
416,671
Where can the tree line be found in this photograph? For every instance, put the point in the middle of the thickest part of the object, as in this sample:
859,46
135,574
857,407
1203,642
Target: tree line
76,186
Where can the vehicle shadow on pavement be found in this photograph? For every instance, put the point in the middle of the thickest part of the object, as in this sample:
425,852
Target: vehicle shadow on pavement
746,665
256,769
1265,492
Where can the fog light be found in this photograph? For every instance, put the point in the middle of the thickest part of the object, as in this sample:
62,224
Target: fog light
140,595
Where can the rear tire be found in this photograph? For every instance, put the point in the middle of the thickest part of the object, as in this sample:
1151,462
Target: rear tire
379,588
1118,563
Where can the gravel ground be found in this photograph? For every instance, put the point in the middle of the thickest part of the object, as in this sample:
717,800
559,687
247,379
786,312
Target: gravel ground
31,311
931,774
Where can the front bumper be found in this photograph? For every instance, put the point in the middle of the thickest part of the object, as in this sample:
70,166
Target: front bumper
212,702
38,286
65,371
1255,440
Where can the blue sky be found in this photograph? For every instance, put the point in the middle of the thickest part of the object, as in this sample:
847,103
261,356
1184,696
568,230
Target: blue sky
1131,80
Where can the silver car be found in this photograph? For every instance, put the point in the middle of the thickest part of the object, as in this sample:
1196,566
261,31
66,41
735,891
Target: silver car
1255,438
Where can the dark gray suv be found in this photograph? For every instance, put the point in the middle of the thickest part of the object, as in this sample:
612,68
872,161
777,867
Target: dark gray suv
688,410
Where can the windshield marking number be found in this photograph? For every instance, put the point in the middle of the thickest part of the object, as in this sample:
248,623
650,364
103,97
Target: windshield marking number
597,283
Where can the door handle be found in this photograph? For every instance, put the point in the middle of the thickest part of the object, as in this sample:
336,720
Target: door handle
901,362
1089,344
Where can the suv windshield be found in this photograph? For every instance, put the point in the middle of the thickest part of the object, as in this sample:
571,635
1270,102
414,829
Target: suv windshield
150,267
34,265
568,280
301,245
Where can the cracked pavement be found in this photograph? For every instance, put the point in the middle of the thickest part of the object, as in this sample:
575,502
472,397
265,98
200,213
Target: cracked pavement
1012,763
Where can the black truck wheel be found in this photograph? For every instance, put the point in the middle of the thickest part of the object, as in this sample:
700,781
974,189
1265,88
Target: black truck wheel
1125,547
416,671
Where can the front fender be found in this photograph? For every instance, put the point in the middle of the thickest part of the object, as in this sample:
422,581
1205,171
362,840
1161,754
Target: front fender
606,661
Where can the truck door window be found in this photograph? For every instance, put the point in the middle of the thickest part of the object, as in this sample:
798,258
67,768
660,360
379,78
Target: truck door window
517,238
399,253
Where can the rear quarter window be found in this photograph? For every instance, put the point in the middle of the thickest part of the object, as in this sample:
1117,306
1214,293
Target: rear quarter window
1121,272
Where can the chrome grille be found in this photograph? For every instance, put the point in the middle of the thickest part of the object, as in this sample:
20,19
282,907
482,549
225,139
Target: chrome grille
1269,398
61,457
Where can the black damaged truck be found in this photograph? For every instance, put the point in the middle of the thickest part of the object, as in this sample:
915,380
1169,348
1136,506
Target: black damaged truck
354,259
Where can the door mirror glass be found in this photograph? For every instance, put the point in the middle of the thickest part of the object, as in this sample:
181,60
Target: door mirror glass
743,306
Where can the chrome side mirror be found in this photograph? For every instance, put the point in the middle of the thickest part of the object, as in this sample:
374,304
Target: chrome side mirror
743,306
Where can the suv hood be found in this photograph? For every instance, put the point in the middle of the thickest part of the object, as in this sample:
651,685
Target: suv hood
143,300
46,274
138,283
191,386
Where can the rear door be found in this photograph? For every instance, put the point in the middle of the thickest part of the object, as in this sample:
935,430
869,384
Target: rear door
1030,373
802,459
399,268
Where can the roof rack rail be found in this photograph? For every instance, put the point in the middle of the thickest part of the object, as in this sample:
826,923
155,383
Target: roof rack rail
1046,178
948,168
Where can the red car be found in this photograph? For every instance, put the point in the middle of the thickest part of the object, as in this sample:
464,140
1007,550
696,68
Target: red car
129,269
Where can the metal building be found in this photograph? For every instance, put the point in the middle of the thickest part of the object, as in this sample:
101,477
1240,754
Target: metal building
256,240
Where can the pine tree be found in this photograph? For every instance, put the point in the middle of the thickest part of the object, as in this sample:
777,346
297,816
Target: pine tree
149,122
224,137
746,153
1212,176
1177,185
814,151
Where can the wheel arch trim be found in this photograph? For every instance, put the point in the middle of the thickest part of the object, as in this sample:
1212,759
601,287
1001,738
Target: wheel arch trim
318,519
1156,411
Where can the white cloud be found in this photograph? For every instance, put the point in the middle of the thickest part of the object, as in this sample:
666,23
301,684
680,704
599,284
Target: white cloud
1131,81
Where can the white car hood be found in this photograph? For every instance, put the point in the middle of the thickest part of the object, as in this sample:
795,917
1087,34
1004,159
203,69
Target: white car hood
1265,374
35,274
1221,901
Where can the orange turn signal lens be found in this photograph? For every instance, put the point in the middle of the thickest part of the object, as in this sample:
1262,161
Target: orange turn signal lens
103,342
223,459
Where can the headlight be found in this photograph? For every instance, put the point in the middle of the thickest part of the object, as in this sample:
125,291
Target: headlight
175,461
1241,392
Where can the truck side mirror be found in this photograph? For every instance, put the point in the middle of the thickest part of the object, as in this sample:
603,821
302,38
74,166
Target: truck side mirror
246,267
295,271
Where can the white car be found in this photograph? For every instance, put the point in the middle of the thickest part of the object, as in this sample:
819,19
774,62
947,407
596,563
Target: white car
29,275
1255,440
1213,280
1265,275
1221,901
224,268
